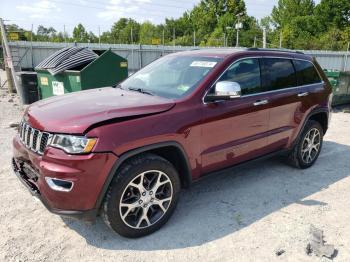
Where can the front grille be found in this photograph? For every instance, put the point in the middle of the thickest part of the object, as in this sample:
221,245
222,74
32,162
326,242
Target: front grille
32,138
43,142
35,137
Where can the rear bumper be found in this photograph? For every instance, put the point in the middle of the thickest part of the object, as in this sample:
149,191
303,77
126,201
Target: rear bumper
87,172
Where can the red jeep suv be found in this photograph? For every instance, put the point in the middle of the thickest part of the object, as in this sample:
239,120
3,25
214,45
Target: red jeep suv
126,151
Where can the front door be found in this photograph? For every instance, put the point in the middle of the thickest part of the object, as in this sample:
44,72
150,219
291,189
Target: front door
234,131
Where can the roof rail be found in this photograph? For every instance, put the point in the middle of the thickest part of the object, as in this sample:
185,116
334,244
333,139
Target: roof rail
274,50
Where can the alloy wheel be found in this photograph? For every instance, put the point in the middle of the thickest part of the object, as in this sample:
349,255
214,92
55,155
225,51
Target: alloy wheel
311,145
146,199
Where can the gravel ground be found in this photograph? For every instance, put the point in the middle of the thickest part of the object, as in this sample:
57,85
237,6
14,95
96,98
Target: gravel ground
244,216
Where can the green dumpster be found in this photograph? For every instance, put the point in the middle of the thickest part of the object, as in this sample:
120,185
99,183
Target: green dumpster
340,82
104,69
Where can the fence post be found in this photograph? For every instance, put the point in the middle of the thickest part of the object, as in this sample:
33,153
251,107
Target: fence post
140,56
346,57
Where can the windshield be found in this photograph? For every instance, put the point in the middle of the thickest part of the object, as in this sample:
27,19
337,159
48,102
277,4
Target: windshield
171,76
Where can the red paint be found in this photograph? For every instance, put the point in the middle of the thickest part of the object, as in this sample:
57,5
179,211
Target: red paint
88,172
213,136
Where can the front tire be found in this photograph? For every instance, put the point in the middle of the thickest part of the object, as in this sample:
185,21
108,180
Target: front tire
142,196
308,148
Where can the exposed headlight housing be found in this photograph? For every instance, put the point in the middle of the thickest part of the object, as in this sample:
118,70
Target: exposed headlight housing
73,144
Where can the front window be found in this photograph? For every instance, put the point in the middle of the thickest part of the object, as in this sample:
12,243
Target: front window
171,76
247,74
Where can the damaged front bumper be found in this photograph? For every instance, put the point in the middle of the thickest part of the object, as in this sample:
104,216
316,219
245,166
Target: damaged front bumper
87,215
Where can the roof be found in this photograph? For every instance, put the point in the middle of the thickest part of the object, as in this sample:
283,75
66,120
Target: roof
214,52
224,52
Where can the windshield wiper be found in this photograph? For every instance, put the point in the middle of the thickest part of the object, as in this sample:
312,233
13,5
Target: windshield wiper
140,90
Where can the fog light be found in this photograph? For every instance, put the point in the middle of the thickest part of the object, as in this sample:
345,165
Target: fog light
59,184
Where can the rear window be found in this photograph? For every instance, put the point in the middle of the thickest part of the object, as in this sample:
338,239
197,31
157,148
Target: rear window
306,72
278,73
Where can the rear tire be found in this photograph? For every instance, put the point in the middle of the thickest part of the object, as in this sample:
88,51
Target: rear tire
142,196
308,147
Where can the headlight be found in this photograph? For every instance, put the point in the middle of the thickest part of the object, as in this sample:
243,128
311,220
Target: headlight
73,144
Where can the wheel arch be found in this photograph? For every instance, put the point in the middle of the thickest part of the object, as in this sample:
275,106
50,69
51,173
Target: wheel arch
171,151
320,115
322,118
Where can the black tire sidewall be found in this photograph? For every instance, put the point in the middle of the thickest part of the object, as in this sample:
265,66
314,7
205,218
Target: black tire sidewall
310,125
126,174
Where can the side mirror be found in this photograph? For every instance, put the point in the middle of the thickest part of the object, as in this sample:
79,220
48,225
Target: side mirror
225,90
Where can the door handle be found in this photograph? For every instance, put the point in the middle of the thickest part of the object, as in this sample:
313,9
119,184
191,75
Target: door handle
261,102
303,94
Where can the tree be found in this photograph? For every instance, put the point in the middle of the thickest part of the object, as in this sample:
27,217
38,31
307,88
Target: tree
148,31
210,18
106,37
92,38
59,37
252,30
266,22
301,33
80,34
332,39
296,22
23,35
287,10
301,23
333,13
45,34
123,29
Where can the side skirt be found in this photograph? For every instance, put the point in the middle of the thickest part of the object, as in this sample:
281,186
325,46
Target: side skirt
282,152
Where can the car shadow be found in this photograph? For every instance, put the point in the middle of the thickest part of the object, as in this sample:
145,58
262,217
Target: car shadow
229,201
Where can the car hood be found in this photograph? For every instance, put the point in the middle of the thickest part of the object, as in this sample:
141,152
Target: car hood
75,113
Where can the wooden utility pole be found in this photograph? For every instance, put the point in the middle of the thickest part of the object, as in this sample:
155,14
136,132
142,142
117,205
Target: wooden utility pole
281,39
264,37
237,35
238,26
10,70
194,38
254,41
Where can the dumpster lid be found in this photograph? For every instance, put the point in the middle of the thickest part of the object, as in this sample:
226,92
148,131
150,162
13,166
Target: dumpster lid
67,58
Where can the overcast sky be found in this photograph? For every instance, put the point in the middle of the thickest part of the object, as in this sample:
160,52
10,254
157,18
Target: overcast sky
102,13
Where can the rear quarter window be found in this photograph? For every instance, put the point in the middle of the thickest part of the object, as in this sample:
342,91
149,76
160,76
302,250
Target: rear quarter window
306,73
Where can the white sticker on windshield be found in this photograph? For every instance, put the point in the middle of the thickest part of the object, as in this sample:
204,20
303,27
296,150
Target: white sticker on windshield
203,64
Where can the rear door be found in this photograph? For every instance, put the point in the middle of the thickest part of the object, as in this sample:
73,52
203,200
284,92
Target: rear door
311,86
310,82
288,99
280,81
